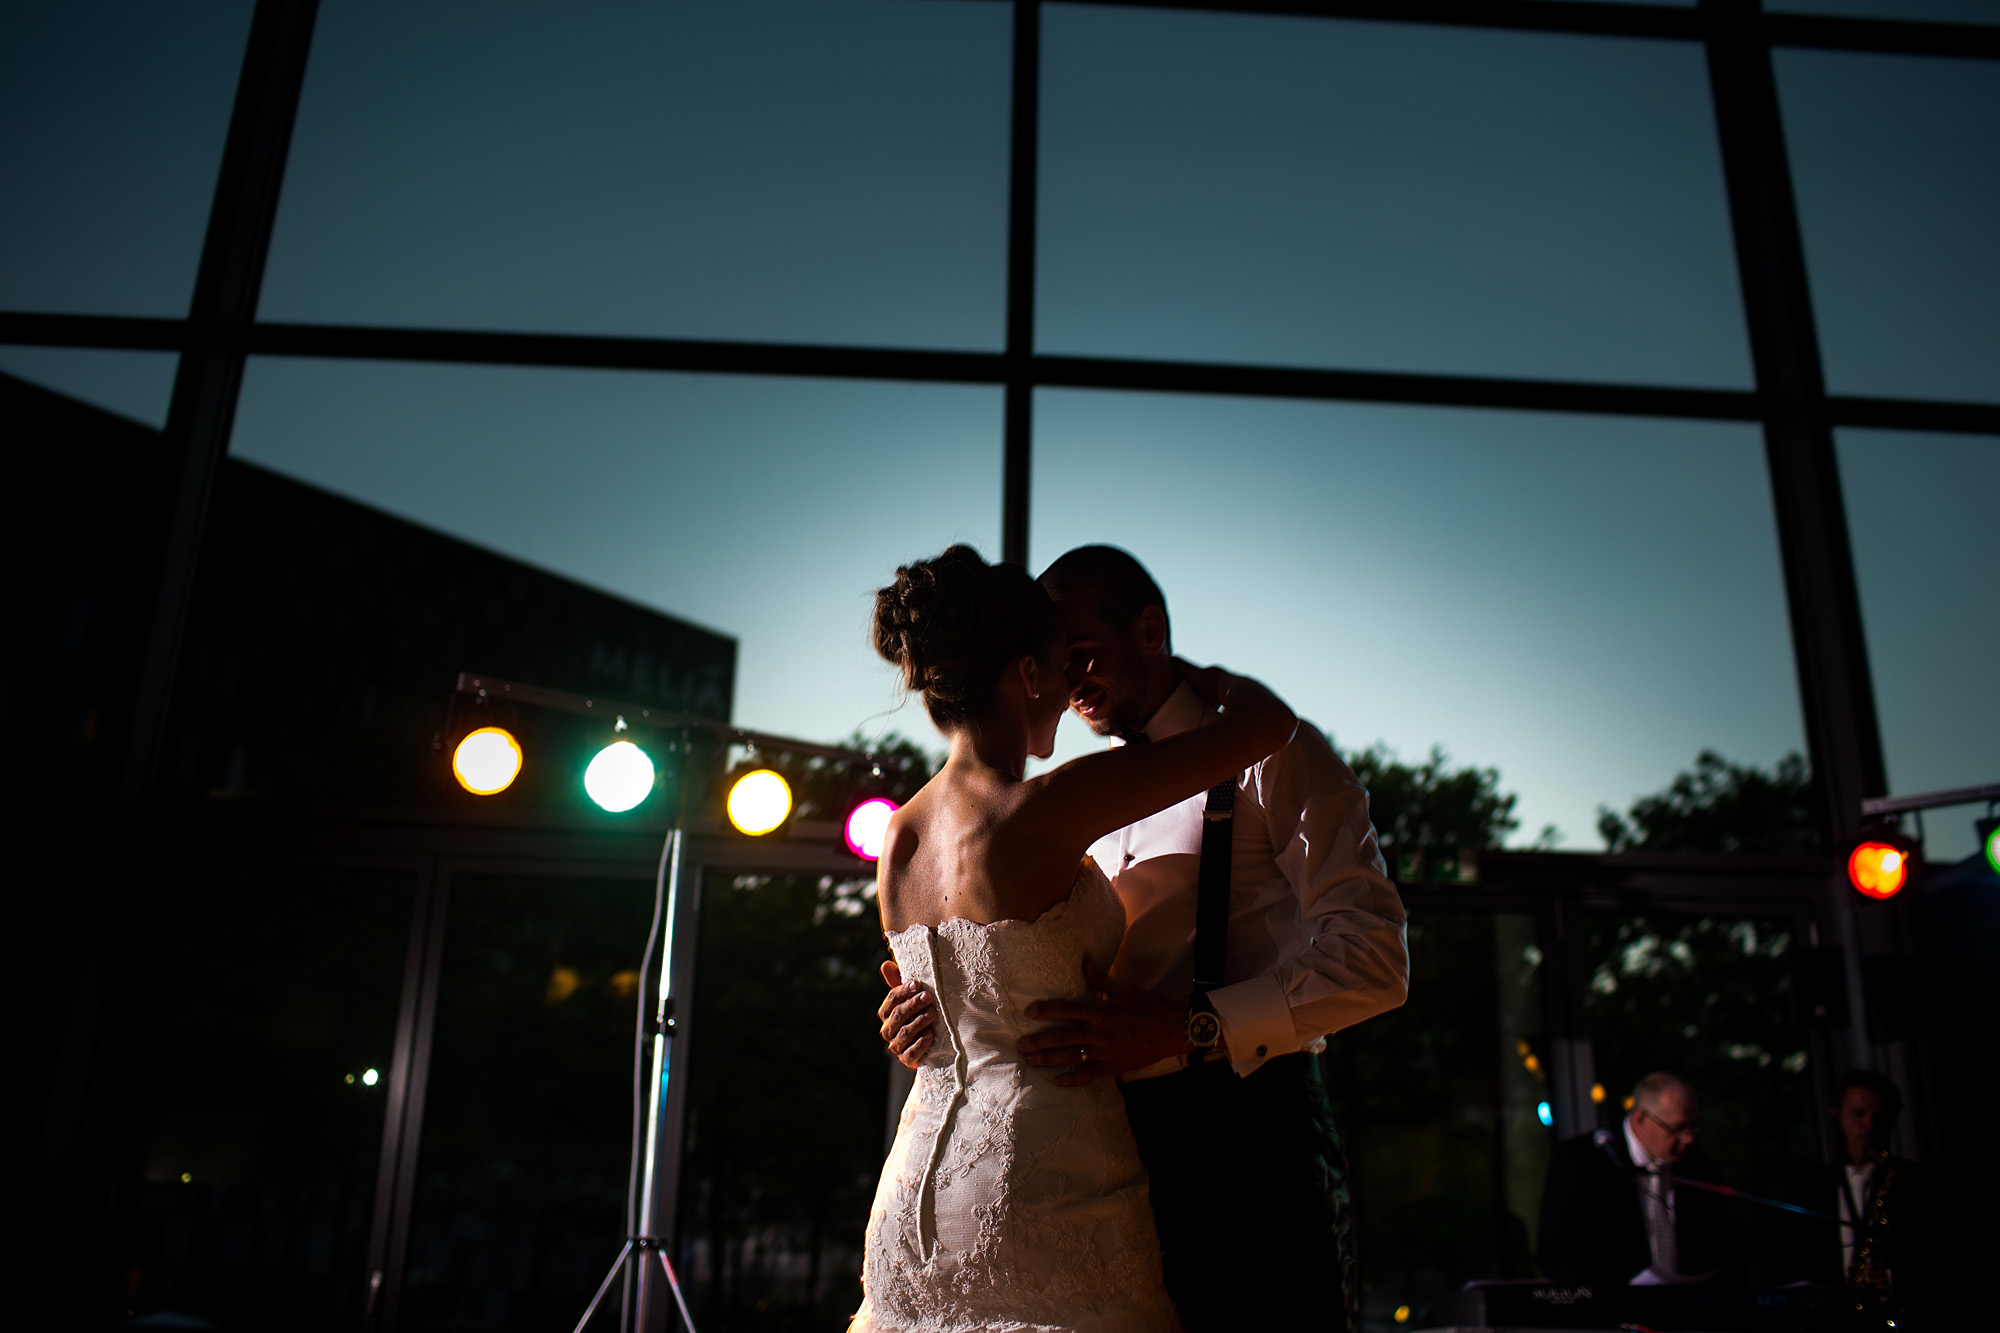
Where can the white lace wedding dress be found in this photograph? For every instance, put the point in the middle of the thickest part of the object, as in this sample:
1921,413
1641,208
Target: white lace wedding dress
1008,1204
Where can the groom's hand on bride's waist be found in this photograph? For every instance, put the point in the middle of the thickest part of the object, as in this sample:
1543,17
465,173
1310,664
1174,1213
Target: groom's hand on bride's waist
1116,1030
907,1014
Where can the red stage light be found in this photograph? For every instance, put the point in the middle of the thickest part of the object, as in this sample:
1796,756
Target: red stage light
1878,869
868,827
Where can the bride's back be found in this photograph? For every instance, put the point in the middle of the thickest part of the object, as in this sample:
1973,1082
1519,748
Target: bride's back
1008,1201
970,847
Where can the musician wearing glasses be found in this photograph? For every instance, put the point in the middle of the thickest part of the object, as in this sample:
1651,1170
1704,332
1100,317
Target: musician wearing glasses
1611,1215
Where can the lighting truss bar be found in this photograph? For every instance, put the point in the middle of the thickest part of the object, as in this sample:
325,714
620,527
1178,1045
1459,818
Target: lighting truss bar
589,705
1929,800
810,361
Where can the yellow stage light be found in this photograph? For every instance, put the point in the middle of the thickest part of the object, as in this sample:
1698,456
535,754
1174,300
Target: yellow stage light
759,802
487,761
619,777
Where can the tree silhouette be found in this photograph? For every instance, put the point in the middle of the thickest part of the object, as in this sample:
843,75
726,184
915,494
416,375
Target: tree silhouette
1722,807
1428,816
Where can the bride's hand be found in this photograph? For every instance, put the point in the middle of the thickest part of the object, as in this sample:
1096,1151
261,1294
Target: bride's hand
907,1015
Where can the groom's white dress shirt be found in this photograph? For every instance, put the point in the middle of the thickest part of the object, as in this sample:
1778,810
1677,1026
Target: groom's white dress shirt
1316,930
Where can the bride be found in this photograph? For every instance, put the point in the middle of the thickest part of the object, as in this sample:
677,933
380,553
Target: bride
1009,1204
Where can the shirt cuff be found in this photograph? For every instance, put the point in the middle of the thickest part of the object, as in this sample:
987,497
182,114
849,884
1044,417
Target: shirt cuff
1256,1022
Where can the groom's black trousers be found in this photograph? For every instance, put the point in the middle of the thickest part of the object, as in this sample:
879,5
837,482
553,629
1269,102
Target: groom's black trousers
1250,1192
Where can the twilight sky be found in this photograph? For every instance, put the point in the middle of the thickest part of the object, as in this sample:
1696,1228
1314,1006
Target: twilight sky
1580,602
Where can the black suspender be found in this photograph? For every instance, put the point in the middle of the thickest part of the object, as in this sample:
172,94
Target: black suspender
1211,910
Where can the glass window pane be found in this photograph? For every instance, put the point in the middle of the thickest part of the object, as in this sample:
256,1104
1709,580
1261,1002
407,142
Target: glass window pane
798,171
1582,602
1920,524
1436,1103
268,1099
1897,171
112,120
769,510
521,1174
1709,998
137,385
784,1138
1379,196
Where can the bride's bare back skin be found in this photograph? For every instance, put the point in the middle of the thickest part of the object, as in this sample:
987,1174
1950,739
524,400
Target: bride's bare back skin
985,843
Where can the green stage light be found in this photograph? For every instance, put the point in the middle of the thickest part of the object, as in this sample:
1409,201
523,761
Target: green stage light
1993,848
619,777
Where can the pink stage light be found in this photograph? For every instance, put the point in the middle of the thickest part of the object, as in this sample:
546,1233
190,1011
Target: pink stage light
868,826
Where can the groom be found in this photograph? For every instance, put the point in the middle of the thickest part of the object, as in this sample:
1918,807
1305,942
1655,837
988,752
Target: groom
1249,1182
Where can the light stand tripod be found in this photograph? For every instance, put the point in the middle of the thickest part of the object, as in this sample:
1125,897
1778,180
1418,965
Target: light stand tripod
646,1241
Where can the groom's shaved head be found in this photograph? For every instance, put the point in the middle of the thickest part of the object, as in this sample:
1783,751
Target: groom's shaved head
1115,577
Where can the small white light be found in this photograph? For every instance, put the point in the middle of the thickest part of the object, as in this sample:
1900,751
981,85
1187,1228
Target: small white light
1890,860
371,1078
619,777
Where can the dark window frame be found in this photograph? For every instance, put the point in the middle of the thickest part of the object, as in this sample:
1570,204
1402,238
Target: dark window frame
221,331
1790,402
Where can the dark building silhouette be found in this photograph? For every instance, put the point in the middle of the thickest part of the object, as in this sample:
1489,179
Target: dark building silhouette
238,949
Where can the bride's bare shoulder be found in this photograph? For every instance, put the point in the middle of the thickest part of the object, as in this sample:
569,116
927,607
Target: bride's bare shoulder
900,840
900,890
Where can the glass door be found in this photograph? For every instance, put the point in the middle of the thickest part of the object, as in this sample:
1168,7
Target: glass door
1444,1106
787,1096
517,1193
267,1097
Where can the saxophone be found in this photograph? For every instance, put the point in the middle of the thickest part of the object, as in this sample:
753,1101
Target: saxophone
1862,1272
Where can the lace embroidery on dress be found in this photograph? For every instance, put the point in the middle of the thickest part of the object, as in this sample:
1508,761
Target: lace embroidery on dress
1008,1204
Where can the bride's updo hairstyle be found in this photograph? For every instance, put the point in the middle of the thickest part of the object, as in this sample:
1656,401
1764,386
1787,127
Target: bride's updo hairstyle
954,625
